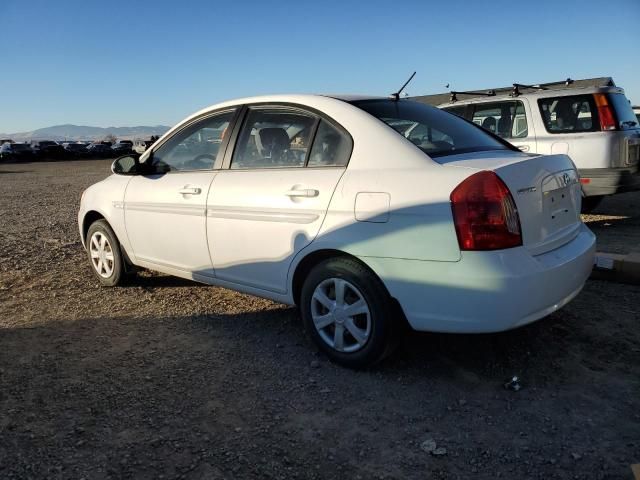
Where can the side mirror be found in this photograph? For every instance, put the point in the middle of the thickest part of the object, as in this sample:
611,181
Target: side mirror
126,165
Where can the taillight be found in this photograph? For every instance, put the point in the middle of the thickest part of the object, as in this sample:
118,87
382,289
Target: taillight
605,112
484,214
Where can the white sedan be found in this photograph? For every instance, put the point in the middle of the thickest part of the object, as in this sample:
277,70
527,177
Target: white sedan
367,213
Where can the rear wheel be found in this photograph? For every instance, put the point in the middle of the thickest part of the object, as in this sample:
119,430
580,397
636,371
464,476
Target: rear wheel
348,313
589,204
104,254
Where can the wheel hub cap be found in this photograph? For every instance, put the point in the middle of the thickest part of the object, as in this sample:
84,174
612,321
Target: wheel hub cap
102,258
341,315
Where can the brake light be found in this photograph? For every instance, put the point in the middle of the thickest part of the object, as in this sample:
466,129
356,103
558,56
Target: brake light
484,214
605,112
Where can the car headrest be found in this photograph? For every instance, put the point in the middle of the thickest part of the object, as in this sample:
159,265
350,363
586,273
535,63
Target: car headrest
269,140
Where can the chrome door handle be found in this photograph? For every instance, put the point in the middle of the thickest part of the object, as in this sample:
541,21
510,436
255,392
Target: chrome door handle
190,191
307,192
523,148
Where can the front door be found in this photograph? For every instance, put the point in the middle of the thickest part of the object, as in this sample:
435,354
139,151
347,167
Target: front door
165,212
271,201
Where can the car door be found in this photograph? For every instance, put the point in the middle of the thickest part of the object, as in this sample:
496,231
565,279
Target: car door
509,119
270,201
165,210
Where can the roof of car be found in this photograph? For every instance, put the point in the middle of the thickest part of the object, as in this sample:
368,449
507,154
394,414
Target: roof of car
564,85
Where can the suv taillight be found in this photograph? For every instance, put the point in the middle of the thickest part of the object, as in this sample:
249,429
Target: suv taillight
484,214
605,112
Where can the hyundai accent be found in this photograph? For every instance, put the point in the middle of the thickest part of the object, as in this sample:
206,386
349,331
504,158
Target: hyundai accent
366,213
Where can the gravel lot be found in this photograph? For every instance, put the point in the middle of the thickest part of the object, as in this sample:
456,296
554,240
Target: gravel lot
169,379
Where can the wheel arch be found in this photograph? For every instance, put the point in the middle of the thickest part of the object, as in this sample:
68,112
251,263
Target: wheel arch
304,266
88,219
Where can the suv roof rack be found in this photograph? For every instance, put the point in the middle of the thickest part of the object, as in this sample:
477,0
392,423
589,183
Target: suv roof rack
516,89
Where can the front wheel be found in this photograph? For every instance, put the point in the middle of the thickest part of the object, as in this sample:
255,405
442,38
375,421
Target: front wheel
104,254
348,313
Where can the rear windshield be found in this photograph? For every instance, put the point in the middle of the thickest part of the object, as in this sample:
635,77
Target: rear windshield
571,114
435,132
624,112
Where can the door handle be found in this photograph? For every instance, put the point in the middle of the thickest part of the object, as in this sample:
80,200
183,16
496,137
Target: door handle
523,148
307,192
190,191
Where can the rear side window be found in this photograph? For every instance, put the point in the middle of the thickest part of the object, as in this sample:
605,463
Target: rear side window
331,148
433,131
273,138
572,114
505,119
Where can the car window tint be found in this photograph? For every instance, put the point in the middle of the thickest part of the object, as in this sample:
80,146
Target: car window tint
571,114
330,147
195,148
433,131
273,138
506,119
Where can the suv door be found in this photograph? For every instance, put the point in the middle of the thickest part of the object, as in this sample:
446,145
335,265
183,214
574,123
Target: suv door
165,211
270,201
509,119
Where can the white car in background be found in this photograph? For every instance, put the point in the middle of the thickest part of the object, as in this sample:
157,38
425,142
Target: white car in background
318,201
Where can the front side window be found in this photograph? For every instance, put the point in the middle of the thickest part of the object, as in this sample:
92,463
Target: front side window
195,148
505,119
432,130
571,114
274,138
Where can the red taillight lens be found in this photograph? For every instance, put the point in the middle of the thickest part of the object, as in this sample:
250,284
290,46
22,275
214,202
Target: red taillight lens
484,214
605,112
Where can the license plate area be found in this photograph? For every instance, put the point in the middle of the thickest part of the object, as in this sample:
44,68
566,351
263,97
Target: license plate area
633,153
559,197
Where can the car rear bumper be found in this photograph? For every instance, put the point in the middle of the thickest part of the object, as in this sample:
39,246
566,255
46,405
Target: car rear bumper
607,181
488,291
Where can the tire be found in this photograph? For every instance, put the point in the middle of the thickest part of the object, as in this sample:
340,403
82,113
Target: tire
589,204
105,257
375,329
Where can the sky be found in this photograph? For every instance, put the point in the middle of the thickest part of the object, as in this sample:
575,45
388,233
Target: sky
125,63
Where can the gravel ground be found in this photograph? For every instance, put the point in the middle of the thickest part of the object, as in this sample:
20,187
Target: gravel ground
168,379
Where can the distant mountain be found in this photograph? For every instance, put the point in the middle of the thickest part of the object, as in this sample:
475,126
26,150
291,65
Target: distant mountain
81,132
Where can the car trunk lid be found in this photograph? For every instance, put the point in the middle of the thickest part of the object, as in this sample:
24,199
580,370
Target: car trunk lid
545,188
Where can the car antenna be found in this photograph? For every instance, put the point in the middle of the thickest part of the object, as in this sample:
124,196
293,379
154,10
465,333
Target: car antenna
396,96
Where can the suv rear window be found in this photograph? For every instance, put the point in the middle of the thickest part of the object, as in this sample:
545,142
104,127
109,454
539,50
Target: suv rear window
432,130
571,114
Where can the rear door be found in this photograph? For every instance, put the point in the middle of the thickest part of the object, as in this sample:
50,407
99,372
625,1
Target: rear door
270,201
509,119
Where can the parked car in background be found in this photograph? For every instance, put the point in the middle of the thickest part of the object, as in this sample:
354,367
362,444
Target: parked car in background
16,152
99,150
321,202
140,146
75,149
48,150
590,120
5,140
122,147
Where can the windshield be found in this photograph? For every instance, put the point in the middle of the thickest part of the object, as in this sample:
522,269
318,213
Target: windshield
435,132
624,112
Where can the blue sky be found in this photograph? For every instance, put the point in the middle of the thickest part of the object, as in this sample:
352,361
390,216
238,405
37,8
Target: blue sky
123,63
